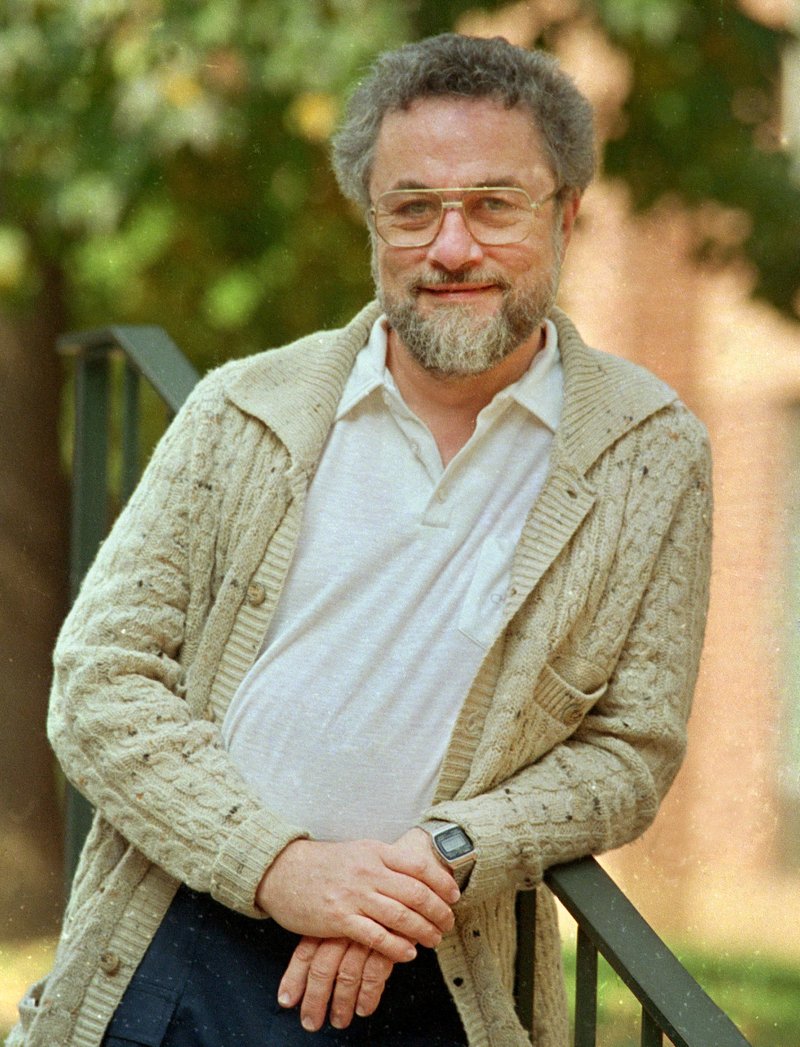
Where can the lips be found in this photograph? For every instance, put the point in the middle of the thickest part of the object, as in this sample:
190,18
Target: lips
457,289
452,288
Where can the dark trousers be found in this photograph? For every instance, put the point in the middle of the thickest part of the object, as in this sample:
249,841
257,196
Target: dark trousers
210,979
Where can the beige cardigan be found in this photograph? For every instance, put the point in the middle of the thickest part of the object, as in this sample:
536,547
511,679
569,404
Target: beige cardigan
566,743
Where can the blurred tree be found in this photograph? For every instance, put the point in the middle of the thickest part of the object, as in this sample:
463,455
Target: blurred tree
164,161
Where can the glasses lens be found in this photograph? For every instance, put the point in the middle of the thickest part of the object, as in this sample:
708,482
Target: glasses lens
411,218
408,219
498,216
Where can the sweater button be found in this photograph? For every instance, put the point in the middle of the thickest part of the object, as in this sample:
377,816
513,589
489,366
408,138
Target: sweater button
109,963
256,594
573,714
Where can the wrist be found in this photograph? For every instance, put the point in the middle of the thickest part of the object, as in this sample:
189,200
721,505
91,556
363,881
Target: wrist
274,869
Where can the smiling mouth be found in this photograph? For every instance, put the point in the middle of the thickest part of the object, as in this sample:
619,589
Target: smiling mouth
456,290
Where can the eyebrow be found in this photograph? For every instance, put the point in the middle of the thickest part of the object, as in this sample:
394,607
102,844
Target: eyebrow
504,181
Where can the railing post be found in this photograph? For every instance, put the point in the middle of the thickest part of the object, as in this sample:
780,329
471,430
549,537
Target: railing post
89,524
585,992
130,431
651,1034
524,974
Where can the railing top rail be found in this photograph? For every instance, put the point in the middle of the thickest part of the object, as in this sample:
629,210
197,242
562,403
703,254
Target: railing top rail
653,974
151,351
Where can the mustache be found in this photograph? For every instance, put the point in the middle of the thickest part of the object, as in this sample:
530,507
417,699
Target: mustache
436,278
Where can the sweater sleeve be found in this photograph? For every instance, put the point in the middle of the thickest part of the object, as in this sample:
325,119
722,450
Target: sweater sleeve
118,719
602,786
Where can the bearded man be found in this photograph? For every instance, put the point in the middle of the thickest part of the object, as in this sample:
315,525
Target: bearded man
399,616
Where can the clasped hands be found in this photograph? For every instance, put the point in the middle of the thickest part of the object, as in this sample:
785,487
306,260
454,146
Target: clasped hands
361,907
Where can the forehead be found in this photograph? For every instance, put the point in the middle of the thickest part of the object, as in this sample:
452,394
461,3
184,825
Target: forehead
459,142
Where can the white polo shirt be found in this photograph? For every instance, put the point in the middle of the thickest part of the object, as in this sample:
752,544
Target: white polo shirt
396,590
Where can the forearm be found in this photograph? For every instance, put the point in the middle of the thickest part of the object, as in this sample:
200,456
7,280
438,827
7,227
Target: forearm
602,786
120,720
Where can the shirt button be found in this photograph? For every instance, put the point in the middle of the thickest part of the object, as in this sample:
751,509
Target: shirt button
109,963
256,594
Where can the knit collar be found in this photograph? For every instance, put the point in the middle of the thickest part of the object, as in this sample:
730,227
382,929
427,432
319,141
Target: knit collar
295,391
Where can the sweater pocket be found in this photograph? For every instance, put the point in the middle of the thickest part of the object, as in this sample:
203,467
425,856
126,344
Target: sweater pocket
563,700
28,1009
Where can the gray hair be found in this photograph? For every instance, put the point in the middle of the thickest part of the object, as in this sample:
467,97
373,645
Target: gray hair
466,67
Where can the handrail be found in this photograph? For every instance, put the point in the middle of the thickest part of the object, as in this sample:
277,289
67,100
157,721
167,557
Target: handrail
673,1004
151,351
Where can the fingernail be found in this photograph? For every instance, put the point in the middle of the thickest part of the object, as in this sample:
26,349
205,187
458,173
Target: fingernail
308,1025
284,999
361,1012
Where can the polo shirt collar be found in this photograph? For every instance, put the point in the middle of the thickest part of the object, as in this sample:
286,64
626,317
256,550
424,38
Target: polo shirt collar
539,390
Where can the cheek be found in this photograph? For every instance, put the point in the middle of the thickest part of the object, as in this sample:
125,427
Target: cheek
527,258
392,267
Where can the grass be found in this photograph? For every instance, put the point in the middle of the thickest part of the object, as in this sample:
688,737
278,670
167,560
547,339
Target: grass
760,994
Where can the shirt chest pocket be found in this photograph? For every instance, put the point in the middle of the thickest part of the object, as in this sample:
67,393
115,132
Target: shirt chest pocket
482,608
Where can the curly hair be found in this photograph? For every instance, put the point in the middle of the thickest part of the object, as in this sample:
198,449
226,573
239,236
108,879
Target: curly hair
466,67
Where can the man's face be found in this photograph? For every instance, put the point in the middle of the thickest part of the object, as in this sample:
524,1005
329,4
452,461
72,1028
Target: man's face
457,306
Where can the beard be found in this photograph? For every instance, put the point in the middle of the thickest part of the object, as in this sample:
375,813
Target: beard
451,341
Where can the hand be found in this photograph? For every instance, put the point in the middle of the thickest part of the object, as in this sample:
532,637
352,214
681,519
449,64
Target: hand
387,897
343,973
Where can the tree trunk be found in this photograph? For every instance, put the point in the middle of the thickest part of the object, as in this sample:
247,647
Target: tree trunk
34,527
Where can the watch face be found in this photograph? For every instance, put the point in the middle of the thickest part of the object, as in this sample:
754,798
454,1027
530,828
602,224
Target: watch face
453,843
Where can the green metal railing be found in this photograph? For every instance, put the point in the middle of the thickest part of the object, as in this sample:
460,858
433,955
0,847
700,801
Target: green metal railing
142,354
672,1003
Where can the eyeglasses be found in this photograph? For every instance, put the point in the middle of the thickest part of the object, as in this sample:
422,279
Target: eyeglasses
494,215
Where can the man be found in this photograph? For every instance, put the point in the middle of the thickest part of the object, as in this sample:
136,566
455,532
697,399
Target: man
399,616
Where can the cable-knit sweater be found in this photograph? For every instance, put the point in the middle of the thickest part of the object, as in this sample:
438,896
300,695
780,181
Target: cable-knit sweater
567,741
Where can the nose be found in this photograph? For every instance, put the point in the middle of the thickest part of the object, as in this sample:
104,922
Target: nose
454,247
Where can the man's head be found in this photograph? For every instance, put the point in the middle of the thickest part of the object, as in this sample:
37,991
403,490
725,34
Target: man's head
455,113
454,66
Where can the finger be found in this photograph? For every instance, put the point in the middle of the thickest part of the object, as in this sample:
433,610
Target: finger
373,980
400,915
418,861
293,983
374,935
420,899
320,981
348,985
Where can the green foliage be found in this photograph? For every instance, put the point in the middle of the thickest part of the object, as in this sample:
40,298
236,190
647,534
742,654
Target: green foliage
759,995
168,158
701,123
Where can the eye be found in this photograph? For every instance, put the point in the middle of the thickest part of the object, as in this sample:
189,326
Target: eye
413,209
493,203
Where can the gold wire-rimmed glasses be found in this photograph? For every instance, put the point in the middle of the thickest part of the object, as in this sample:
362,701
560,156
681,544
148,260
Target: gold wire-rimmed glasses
495,215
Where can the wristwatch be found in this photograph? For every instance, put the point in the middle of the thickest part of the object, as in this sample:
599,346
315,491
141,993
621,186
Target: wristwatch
452,847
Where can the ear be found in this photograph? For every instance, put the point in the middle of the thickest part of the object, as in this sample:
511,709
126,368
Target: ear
569,212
